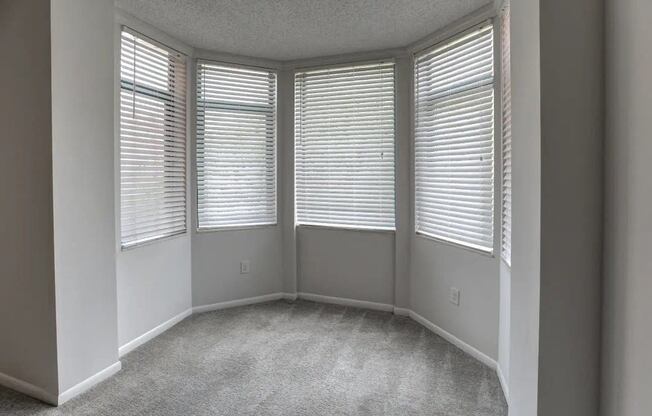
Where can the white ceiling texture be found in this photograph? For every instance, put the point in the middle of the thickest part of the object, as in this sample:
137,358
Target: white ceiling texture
297,29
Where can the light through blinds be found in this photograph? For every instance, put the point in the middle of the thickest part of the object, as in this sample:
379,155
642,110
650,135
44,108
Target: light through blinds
454,140
344,146
152,140
236,146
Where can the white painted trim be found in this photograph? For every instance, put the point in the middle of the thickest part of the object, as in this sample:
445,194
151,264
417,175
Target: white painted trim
401,311
503,383
472,351
90,382
153,333
346,302
238,302
290,296
27,388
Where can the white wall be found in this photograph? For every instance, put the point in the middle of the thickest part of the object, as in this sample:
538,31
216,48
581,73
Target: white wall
27,298
504,325
345,263
436,267
216,258
627,332
154,285
153,280
526,206
572,117
557,118
82,153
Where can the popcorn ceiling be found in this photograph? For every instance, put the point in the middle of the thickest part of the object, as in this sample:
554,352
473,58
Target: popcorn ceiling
297,29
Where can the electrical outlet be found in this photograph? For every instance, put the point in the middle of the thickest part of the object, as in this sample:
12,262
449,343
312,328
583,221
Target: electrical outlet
455,296
244,267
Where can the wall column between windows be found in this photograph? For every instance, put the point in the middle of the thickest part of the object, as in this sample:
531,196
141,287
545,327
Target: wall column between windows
285,169
403,116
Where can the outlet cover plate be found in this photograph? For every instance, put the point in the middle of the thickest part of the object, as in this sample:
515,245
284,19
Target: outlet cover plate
455,296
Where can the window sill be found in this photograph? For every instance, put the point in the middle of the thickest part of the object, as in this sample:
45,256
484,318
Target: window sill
235,228
337,228
153,241
484,253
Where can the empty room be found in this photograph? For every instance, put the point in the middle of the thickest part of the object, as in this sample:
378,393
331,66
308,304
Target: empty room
325,207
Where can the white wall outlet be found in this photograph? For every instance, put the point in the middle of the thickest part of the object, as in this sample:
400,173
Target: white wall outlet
455,296
244,267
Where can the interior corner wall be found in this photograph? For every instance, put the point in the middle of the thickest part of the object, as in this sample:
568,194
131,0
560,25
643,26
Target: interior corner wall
404,225
28,350
627,332
82,175
572,135
153,280
285,140
526,208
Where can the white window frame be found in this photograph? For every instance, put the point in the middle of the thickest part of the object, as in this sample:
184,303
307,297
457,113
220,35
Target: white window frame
505,77
126,25
233,227
342,65
492,21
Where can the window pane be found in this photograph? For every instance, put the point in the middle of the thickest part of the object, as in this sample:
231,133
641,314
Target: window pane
344,146
152,140
236,146
454,140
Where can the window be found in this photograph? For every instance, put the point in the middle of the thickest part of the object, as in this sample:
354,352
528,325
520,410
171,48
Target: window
152,140
507,137
344,147
454,140
236,146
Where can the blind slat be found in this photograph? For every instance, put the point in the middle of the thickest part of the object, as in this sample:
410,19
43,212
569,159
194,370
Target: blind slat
152,140
344,146
506,188
454,140
236,146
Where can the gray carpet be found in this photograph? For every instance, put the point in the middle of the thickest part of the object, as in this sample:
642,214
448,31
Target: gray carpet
282,358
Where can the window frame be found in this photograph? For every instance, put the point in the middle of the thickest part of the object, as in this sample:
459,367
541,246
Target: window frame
339,65
505,12
235,227
150,93
492,20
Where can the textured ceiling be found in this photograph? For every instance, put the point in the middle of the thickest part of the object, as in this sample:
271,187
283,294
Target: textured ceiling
297,29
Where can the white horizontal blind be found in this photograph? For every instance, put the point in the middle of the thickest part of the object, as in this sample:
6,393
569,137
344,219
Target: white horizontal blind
152,140
344,146
236,146
507,138
454,140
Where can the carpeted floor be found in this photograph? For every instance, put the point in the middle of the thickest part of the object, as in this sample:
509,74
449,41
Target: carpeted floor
281,358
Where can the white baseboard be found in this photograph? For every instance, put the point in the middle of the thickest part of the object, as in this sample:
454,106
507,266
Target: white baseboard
472,351
153,333
402,311
88,383
238,302
290,296
28,389
346,302
503,382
